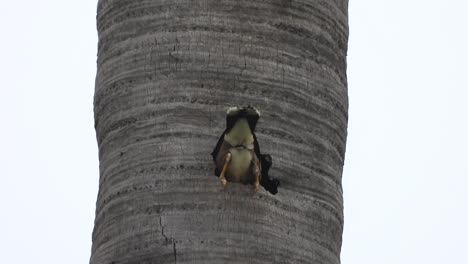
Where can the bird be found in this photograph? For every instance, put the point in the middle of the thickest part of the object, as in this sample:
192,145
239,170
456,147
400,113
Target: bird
237,154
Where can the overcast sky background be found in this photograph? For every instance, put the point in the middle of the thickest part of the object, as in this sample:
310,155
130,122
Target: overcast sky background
406,174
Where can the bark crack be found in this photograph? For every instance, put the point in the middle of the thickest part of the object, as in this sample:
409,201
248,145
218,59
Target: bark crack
167,239
175,251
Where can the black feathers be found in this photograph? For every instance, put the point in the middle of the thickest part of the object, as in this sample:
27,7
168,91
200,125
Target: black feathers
270,185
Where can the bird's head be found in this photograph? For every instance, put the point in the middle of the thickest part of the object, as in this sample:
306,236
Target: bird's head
235,113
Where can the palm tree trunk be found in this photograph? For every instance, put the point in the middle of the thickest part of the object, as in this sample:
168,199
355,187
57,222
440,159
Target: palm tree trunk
167,71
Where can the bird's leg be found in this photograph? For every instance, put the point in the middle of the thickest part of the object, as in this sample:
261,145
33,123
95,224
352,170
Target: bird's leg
256,171
222,177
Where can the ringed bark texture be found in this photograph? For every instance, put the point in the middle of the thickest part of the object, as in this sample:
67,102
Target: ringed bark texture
167,71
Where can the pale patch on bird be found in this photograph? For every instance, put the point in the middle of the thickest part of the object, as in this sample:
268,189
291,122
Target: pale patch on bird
240,135
239,166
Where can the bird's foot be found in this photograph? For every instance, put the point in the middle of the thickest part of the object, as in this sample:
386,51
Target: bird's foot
256,186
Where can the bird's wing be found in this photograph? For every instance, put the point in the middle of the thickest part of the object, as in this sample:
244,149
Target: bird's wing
218,146
270,184
256,145
266,181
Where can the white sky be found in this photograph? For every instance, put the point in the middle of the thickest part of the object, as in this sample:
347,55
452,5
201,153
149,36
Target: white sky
406,175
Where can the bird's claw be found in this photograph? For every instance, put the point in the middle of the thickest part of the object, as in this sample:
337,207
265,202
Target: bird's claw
223,182
256,186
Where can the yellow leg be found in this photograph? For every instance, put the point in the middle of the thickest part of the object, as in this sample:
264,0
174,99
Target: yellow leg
222,177
257,174
257,181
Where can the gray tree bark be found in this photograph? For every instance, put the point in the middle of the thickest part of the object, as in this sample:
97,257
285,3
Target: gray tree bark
167,71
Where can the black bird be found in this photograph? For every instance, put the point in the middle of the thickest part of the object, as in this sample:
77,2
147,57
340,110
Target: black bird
237,154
